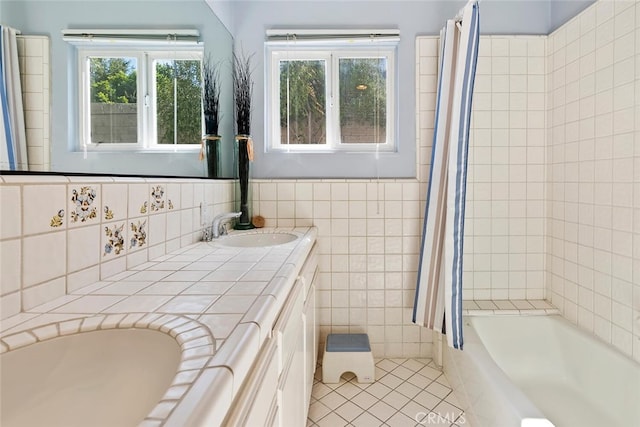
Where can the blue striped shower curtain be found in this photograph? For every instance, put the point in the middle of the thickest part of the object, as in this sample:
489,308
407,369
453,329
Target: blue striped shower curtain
438,295
13,141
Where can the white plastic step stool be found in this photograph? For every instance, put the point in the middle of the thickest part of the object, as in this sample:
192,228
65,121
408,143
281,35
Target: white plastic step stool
347,353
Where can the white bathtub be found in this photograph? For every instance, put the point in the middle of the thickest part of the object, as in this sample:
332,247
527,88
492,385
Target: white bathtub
541,371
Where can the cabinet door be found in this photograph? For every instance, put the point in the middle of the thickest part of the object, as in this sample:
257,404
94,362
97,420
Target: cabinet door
258,397
292,404
310,343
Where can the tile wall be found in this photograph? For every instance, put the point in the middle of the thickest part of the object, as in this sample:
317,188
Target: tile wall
369,237
60,233
505,215
593,235
370,231
33,54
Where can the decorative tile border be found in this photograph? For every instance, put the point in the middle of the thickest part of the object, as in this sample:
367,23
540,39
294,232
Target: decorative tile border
197,346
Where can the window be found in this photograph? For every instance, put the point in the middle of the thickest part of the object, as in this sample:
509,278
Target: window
140,95
330,95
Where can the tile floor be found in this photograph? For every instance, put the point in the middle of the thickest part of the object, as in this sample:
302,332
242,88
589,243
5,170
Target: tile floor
406,393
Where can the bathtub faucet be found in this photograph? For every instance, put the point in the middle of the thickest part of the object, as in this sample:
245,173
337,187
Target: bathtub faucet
218,227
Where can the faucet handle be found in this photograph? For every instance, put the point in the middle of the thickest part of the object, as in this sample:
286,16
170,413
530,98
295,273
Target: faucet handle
207,234
223,229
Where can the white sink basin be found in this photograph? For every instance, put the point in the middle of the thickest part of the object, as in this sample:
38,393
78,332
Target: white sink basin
256,240
101,378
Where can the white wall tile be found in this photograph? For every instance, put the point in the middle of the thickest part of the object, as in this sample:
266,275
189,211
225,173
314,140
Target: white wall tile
44,208
83,248
10,265
44,258
10,212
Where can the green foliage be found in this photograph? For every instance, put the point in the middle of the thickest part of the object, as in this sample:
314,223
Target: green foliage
302,92
113,80
362,93
182,77
179,82
362,90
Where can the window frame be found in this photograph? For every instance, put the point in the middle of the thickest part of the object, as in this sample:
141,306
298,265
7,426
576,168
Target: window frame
145,55
331,51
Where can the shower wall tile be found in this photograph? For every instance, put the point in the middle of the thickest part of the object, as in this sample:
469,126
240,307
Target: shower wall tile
593,273
114,202
505,214
33,54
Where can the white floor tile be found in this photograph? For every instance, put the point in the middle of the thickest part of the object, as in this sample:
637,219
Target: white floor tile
407,393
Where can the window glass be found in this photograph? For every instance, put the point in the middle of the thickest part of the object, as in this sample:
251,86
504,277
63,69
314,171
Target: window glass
330,98
303,109
363,100
178,89
113,100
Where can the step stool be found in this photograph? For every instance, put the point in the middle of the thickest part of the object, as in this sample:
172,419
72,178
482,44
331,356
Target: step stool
347,353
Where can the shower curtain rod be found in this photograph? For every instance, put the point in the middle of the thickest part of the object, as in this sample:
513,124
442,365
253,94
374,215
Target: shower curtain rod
18,32
458,17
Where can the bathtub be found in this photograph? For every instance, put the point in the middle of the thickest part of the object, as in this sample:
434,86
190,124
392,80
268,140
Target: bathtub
541,371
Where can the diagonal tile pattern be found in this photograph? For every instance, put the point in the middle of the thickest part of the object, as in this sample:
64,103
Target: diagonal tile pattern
407,393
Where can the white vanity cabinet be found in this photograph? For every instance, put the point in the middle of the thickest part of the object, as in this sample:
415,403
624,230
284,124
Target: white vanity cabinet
277,392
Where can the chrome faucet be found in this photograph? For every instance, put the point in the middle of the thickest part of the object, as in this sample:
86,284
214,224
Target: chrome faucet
218,227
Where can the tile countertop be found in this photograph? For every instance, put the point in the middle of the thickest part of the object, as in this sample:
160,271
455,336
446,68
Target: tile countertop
218,302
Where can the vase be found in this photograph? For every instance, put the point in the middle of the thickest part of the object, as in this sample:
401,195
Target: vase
242,147
213,155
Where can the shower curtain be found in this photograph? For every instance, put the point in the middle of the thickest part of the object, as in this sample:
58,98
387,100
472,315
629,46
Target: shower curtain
13,141
438,295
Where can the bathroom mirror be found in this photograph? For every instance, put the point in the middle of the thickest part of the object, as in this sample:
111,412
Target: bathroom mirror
50,17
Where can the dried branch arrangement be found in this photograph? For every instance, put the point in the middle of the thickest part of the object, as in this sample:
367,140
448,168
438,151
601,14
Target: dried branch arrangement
211,96
243,89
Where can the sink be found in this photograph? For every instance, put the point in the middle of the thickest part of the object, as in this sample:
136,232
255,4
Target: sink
256,240
111,377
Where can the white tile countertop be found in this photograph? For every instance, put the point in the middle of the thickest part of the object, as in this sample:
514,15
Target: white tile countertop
218,302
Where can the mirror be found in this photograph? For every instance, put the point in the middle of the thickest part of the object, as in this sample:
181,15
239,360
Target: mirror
49,17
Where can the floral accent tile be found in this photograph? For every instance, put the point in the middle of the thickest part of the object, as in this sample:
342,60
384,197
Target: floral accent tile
114,242
114,202
83,206
172,192
157,198
56,220
138,196
43,206
139,234
108,213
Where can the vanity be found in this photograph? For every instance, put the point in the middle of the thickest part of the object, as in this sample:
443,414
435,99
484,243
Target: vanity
242,309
